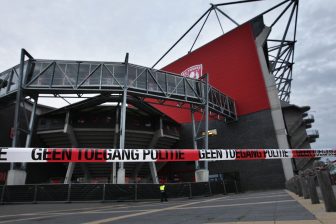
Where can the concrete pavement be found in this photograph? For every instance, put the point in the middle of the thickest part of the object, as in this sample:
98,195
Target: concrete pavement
276,206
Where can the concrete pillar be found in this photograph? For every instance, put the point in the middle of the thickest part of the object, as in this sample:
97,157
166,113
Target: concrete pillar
153,171
276,111
202,175
16,177
74,143
121,176
68,175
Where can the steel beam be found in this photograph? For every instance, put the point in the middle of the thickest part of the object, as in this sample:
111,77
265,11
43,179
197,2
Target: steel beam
123,123
194,134
30,128
206,137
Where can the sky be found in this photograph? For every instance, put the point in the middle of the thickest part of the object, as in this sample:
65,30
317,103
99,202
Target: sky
104,30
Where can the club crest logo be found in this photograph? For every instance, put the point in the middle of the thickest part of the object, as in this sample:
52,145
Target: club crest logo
193,72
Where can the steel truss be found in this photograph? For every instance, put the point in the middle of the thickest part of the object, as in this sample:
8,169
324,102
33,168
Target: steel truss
280,51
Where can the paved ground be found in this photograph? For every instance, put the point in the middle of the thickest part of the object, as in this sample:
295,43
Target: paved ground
261,207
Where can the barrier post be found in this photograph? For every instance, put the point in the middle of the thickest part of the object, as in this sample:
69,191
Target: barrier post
310,175
190,191
328,195
210,191
104,189
298,185
235,183
225,192
35,194
69,193
304,185
2,195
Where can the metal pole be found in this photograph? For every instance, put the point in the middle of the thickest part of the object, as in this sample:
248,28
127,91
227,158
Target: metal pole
104,192
35,194
116,133
17,106
30,129
237,2
123,113
206,137
2,194
69,192
224,14
136,192
190,191
182,37
197,166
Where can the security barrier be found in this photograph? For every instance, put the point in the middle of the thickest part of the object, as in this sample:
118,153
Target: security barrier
305,185
104,192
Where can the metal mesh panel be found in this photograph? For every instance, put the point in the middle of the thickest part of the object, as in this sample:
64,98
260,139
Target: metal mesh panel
86,192
120,192
19,193
148,191
178,190
217,187
200,189
52,192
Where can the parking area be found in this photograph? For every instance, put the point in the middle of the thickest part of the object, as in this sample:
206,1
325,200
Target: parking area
275,206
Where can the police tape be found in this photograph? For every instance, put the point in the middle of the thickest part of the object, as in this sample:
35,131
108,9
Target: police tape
57,155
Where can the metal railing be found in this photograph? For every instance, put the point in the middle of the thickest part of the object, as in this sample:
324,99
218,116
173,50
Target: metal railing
104,192
78,77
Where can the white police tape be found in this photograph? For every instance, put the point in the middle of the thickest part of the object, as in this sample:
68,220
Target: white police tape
10,155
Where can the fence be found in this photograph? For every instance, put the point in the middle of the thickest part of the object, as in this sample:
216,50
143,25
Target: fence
104,192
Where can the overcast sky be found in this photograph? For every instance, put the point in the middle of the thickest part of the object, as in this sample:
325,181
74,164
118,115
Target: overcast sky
104,30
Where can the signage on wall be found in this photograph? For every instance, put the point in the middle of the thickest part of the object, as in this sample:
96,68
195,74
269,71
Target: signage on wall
193,72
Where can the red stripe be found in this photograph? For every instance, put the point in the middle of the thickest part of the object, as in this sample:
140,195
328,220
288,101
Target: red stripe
303,153
243,154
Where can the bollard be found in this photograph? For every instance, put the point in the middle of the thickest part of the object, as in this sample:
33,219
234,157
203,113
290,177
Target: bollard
298,185
304,185
322,174
292,184
310,175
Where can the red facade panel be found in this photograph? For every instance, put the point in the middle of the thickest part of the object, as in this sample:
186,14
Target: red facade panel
233,67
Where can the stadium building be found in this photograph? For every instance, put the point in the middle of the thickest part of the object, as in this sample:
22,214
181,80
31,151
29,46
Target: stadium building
231,93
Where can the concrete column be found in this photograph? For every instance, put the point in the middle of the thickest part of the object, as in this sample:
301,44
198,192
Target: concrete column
16,177
202,175
74,143
121,170
113,178
197,166
153,171
68,175
276,111
121,176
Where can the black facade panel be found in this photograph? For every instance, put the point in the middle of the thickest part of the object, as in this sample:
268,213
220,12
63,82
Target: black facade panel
251,131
